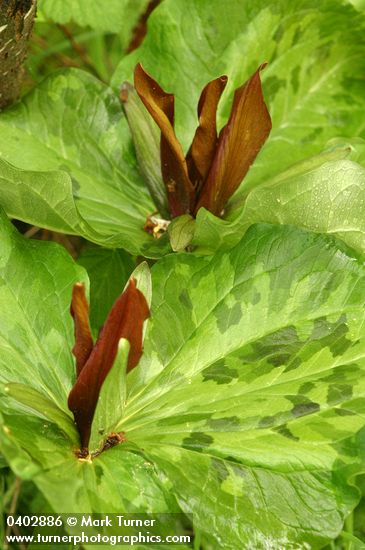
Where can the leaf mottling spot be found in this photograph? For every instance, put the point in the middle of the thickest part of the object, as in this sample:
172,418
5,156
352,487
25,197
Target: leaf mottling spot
332,335
226,423
306,387
338,393
312,136
99,474
342,373
272,86
183,419
197,441
297,35
285,432
226,316
220,373
295,78
277,348
220,468
267,422
307,407
294,364
185,299
344,412
279,33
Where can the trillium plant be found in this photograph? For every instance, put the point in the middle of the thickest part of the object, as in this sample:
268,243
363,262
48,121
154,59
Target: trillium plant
214,166
182,277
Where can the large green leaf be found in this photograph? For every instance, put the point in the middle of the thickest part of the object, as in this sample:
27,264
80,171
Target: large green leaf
320,194
247,406
117,16
73,169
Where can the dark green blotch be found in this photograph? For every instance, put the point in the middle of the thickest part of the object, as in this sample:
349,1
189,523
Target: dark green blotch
226,316
284,431
297,35
343,373
221,469
309,138
183,419
266,422
337,393
247,294
197,441
306,387
272,86
294,364
227,423
279,33
332,335
295,78
344,412
256,297
99,474
274,420
277,347
185,299
305,407
220,373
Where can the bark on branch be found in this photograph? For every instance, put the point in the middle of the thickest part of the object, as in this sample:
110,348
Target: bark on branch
16,23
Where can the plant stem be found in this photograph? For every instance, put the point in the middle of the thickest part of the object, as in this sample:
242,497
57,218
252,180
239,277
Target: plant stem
12,508
80,50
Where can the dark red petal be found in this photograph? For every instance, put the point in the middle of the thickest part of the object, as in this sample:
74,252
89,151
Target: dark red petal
201,154
160,105
238,145
125,320
83,339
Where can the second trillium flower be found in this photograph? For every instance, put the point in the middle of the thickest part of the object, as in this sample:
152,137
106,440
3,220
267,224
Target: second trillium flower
212,170
94,362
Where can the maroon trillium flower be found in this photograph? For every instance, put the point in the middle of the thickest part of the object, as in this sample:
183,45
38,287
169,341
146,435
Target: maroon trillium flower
93,362
215,165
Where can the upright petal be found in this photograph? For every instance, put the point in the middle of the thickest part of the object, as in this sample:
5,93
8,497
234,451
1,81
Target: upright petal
160,105
83,339
238,145
125,320
201,153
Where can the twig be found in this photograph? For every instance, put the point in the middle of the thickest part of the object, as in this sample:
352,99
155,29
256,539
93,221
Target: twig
140,30
12,509
31,232
80,50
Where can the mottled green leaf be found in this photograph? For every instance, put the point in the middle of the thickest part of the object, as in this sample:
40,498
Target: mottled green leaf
316,194
251,387
73,167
